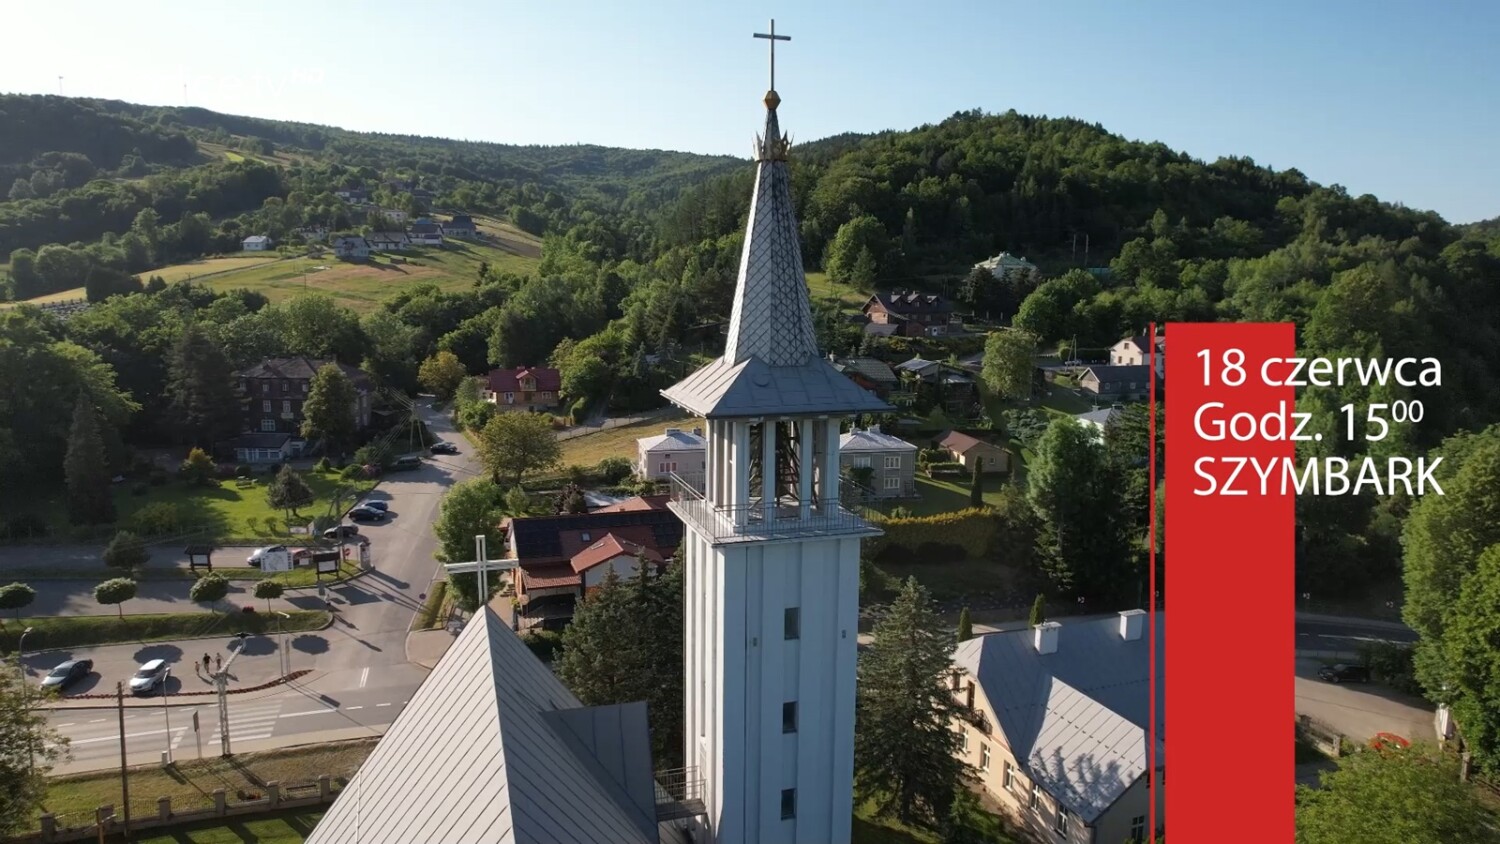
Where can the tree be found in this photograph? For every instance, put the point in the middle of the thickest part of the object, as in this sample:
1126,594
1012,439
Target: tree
16,596
126,552
116,591
1473,662
28,749
1038,610
962,824
965,625
288,492
905,747
1411,796
442,373
1009,363
976,486
513,444
857,250
268,591
86,468
209,589
1072,490
328,412
199,469
470,509
200,387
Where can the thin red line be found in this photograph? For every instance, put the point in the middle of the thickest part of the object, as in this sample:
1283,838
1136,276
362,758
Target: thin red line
1151,613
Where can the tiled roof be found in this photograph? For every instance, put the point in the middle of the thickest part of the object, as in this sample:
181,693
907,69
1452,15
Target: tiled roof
492,747
552,576
509,380
961,443
640,502
425,227
911,302
609,547
1076,719
460,221
301,369
558,538
858,440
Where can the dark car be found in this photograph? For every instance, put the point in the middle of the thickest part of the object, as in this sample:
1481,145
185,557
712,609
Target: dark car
67,674
367,514
406,464
1344,673
444,448
382,506
340,532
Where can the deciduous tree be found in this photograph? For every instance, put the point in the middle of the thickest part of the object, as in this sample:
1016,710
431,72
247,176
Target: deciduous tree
199,469
209,589
1411,796
28,749
1010,363
16,597
288,491
126,552
442,373
513,444
86,469
1072,490
328,412
116,591
470,509
268,591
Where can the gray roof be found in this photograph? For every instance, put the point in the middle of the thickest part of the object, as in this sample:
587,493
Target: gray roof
493,748
917,365
257,238
1099,417
858,440
673,440
871,368
1076,719
771,364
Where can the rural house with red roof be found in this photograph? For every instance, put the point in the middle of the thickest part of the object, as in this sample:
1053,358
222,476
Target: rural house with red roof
524,388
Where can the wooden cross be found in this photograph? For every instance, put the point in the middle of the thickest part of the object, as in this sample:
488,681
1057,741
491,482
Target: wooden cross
483,565
773,38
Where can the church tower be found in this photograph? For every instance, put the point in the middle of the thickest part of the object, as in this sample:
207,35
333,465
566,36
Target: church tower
772,559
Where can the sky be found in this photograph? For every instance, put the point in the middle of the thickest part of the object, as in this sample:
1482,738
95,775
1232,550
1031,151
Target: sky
1397,99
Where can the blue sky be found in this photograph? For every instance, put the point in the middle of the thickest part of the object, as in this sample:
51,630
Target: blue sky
1398,99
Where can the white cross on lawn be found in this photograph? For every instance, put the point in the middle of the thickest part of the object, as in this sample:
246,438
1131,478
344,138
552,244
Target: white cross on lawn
482,565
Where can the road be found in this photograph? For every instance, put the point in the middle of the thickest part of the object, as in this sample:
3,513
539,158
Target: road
373,614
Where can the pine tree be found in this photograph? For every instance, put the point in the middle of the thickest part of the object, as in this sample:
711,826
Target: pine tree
965,625
976,488
905,746
86,469
1038,609
603,659
201,389
961,826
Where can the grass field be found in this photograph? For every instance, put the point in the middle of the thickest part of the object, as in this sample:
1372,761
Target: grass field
945,496
205,266
59,296
281,828
822,287
589,449
77,631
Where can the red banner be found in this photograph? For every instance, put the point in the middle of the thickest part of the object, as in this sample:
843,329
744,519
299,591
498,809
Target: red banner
1231,649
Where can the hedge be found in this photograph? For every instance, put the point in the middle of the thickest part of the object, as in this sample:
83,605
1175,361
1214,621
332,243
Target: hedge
973,530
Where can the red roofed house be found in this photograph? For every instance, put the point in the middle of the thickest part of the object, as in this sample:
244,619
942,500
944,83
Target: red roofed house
562,557
524,388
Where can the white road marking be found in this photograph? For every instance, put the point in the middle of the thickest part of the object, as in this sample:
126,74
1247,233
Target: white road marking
364,677
309,712
382,704
69,724
352,708
249,723
116,736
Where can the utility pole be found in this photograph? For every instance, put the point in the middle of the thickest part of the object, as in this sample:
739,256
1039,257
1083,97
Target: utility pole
166,713
26,691
124,768
221,687
1085,249
286,657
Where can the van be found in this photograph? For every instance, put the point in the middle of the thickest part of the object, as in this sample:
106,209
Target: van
407,463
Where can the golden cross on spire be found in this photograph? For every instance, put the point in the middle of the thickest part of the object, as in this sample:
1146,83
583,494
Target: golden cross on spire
773,38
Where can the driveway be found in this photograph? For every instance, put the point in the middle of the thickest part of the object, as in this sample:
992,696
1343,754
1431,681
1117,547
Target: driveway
1360,710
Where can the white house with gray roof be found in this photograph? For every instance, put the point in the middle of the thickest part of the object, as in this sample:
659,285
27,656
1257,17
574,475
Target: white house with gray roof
891,460
676,452
1060,735
1097,420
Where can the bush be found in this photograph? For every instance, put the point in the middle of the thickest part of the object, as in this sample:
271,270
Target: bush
209,589
947,467
155,519
546,644
970,533
1391,664
576,474
25,526
352,471
126,551
324,465
198,468
613,470
243,471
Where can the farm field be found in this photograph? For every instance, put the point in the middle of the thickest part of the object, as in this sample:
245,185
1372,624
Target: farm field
589,449
59,296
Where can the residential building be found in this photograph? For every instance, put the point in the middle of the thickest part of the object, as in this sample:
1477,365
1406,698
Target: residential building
256,243
351,248
395,215
272,393
971,452
422,196
353,195
771,557
920,369
891,460
955,388
1004,264
462,225
259,449
673,453
425,232
1135,351
1116,382
311,234
1097,420
559,557
492,747
1060,732
915,314
524,388
873,374
388,241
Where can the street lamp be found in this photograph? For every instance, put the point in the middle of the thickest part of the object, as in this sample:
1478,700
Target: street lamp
286,657
25,691
166,715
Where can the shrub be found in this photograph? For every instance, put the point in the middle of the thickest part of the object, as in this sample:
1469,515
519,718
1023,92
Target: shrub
155,519
25,526
969,532
324,465
15,597
613,470
546,644
352,471
1391,664
198,468
126,551
243,471
576,474
209,589
947,467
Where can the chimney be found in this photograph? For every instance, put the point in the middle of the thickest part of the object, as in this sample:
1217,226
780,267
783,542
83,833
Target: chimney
1046,637
874,429
697,432
1132,622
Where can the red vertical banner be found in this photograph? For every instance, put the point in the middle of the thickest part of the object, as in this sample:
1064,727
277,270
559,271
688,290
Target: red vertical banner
1230,585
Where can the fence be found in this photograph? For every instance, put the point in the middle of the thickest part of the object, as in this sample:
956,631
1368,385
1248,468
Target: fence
613,422
1320,735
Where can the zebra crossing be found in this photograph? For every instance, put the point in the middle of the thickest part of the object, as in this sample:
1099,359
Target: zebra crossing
246,723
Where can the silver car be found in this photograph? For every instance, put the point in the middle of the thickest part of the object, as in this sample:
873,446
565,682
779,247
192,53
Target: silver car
149,678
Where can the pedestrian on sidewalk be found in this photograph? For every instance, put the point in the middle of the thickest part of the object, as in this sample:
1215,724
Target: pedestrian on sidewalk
205,662
218,661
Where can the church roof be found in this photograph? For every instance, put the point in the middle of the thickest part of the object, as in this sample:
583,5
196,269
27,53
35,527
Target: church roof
494,748
771,363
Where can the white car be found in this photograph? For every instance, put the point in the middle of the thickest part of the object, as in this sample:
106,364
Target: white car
260,554
149,678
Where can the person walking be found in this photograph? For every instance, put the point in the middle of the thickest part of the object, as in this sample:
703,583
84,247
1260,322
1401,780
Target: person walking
206,662
218,661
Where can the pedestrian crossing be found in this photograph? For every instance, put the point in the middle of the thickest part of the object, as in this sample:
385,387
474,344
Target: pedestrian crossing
250,722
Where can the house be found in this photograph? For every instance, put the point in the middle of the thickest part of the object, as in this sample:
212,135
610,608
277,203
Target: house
256,243
919,369
462,225
1004,264
892,461
525,387
1059,733
311,234
351,248
972,452
388,241
1135,351
1116,382
677,452
1098,420
354,196
425,232
955,389
395,215
423,196
493,747
262,448
873,374
559,557
915,314
272,393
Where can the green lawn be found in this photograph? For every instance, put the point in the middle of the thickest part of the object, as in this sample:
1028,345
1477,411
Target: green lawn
280,828
869,829
822,287
77,631
226,511
945,496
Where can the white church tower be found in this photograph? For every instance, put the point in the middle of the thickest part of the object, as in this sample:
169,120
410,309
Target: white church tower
772,559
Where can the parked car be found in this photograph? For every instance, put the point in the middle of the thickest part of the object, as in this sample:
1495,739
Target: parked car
443,448
367,514
340,532
149,678
1344,673
382,506
408,463
260,554
67,674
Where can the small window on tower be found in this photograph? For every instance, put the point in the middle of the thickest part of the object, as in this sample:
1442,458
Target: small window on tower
791,623
789,717
788,803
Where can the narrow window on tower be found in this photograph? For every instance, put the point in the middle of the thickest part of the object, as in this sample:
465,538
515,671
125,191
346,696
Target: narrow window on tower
789,717
791,623
788,803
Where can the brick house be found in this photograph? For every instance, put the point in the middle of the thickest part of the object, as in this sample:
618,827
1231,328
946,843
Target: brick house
524,388
915,314
272,393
